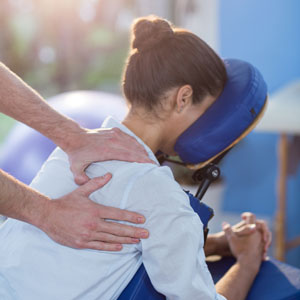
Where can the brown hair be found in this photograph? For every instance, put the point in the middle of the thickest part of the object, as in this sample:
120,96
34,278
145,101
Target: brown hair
163,57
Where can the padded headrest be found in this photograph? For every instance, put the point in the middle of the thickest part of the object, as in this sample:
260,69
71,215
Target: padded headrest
228,118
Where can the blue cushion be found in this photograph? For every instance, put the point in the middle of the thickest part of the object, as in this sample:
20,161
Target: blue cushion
228,117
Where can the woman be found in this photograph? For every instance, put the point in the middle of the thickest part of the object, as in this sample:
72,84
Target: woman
170,79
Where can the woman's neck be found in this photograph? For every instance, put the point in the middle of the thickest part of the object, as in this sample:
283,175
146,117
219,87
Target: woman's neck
148,129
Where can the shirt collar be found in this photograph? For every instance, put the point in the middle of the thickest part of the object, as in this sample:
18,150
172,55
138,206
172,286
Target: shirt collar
110,122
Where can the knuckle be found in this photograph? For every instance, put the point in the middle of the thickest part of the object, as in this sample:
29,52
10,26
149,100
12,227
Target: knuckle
122,215
85,235
111,239
79,243
136,232
101,246
113,140
116,131
93,184
92,226
102,212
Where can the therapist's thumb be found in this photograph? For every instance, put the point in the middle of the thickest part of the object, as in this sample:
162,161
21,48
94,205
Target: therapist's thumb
79,174
78,170
94,184
81,178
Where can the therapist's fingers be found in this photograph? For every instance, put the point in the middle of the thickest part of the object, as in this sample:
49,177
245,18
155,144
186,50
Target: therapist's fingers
93,185
113,239
113,213
123,230
107,242
73,220
97,245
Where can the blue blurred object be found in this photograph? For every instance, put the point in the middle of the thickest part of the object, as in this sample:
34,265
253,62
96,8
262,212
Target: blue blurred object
237,108
266,33
250,183
25,150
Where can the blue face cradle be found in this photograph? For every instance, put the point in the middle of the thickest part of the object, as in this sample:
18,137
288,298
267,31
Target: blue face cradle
228,118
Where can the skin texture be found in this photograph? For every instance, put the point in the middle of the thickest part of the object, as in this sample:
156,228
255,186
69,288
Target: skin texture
249,251
248,240
88,229
217,244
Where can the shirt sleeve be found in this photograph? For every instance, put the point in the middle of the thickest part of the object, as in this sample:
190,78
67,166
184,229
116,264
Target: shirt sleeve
173,255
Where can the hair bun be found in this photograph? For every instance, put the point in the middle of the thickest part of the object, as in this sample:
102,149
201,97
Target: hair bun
149,32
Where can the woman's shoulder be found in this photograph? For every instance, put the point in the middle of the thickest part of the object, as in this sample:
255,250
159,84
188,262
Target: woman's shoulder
157,183
156,195
161,177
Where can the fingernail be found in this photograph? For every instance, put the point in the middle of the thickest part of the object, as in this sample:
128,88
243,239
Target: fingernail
119,247
141,220
252,226
135,241
225,225
144,234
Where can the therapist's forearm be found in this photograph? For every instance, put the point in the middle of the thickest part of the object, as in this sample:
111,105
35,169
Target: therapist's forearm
19,201
236,283
21,102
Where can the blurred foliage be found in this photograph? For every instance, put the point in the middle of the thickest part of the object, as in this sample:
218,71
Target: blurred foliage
5,124
57,46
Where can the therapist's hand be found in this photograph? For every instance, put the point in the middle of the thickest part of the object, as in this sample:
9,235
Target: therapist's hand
88,146
75,221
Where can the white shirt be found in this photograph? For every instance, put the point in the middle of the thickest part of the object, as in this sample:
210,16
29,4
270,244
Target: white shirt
34,267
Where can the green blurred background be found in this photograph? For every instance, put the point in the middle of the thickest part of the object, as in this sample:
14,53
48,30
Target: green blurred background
63,45
58,46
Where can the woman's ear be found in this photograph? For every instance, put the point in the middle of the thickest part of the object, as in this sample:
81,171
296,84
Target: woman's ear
184,97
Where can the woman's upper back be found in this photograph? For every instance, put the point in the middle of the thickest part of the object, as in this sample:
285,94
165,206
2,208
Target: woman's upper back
28,255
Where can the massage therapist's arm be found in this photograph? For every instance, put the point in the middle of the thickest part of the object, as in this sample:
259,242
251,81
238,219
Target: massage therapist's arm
73,213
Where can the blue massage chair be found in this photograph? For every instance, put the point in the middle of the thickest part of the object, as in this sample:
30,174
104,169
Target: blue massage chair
230,118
